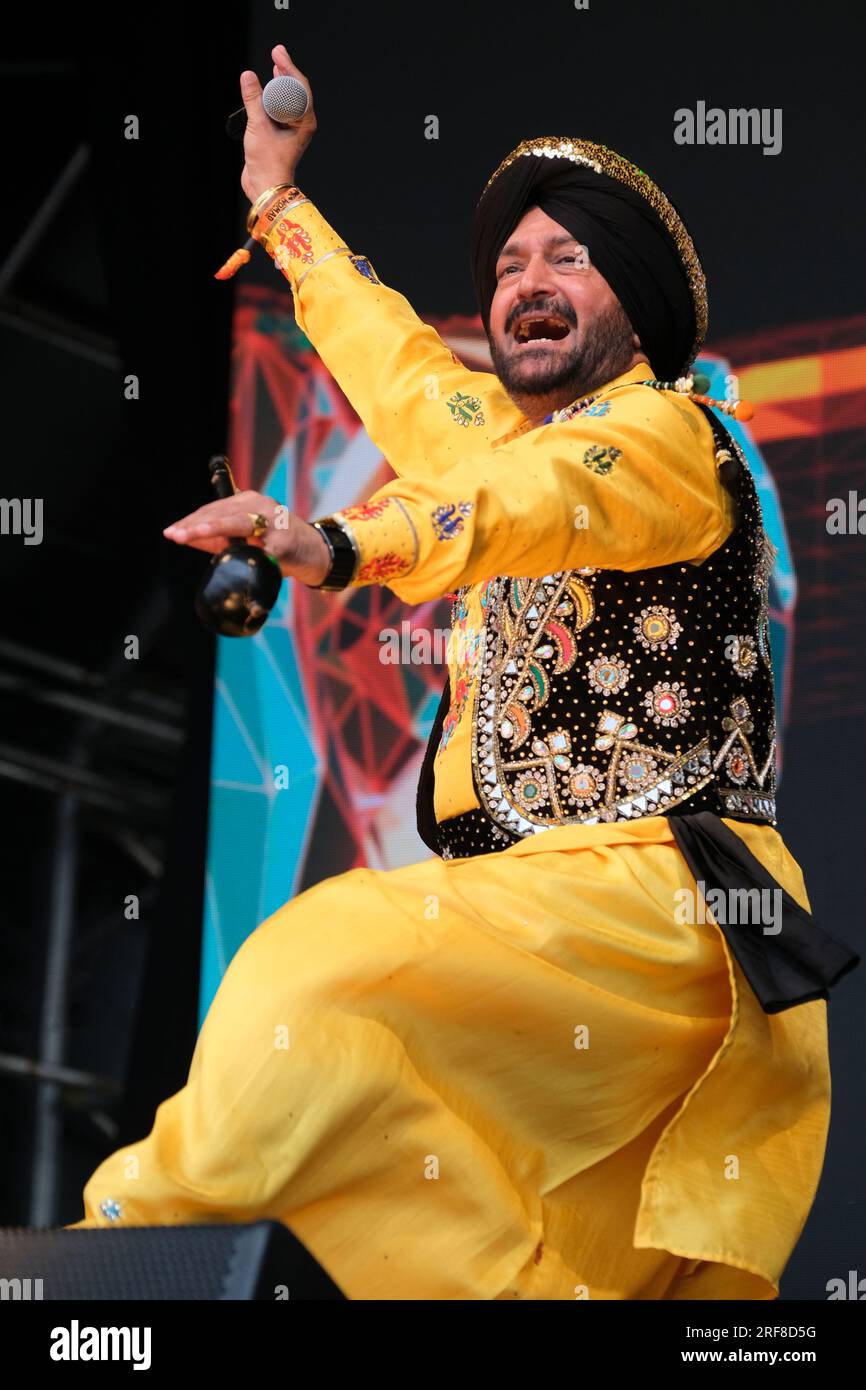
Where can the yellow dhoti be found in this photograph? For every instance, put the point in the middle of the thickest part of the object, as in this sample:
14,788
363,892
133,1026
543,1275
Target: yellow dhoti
510,1076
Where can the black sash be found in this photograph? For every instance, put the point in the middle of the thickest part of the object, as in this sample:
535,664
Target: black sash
790,966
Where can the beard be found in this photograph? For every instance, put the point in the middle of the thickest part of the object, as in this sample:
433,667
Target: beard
604,354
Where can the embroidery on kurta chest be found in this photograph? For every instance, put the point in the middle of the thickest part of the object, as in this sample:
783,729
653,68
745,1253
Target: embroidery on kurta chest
601,457
465,409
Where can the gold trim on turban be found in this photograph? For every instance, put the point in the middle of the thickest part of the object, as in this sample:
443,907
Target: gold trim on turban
616,166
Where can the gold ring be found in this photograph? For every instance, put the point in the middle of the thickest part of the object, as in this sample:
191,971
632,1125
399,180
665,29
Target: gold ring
260,524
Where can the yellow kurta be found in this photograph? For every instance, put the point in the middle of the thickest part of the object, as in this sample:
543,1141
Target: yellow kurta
515,1075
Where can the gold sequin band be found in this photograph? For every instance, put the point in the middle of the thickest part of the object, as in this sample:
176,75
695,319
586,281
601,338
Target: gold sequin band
263,198
616,166
259,225
401,504
337,251
384,534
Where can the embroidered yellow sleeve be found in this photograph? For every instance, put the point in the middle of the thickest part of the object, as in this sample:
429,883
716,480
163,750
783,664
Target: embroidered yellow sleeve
398,374
634,487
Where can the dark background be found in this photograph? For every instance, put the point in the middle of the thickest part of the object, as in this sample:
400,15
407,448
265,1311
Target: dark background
104,761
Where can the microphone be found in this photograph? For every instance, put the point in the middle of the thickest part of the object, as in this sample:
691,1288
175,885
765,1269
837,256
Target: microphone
285,99
240,585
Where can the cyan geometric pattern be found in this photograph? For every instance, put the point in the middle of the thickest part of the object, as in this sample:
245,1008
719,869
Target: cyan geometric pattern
783,580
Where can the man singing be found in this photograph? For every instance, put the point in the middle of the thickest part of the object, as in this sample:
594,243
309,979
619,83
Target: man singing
534,1066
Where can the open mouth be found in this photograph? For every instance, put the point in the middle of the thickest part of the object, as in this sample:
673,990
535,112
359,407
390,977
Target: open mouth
541,328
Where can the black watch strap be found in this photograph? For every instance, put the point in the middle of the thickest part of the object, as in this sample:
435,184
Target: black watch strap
344,557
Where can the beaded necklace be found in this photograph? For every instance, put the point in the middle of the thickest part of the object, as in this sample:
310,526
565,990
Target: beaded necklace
694,386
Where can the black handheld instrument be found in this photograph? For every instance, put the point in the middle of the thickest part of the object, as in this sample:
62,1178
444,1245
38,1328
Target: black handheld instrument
240,585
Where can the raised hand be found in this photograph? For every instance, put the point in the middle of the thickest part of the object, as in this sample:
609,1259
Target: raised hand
271,151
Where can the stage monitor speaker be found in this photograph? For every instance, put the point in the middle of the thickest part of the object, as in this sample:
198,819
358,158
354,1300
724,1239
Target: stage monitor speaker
263,1261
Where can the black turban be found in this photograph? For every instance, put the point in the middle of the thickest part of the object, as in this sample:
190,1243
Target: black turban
635,238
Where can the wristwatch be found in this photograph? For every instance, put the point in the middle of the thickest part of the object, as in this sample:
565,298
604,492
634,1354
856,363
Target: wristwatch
344,556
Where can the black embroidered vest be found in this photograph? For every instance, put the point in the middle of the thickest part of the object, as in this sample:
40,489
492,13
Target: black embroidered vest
610,695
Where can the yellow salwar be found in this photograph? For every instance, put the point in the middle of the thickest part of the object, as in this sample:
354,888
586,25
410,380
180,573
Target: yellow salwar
511,1076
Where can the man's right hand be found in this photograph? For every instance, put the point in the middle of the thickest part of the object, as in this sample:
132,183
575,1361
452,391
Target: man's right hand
272,152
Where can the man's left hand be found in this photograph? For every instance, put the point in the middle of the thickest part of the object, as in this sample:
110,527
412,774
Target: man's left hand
301,550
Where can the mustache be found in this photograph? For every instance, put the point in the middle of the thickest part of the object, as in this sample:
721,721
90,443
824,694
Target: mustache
562,312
